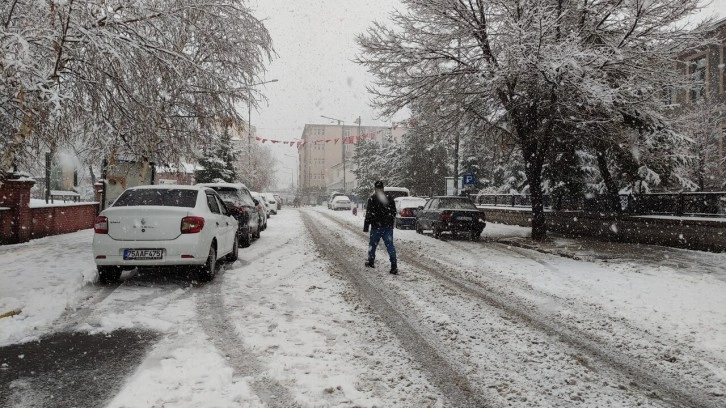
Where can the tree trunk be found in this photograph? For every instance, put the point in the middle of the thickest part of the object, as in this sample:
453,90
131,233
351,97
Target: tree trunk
456,164
612,189
533,163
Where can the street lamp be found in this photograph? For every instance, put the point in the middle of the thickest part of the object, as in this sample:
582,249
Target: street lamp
249,121
342,145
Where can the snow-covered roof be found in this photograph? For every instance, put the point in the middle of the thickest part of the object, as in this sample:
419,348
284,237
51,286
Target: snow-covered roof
185,168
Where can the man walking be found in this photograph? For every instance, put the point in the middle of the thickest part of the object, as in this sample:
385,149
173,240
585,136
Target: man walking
380,216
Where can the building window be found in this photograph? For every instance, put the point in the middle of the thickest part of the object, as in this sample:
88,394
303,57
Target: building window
697,72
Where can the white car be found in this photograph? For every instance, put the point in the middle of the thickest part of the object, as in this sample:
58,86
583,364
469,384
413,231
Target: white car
406,208
164,225
264,209
268,209
271,201
332,197
396,192
341,203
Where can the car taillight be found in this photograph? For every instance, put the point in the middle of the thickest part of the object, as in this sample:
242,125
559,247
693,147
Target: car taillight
407,212
447,216
101,225
192,225
235,209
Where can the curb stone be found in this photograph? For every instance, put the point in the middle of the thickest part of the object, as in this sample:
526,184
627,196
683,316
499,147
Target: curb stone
534,247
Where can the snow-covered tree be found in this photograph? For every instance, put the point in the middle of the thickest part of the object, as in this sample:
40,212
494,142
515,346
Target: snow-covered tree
141,79
526,66
368,166
703,170
217,163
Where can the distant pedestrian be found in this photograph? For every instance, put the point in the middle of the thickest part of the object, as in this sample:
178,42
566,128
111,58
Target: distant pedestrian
380,216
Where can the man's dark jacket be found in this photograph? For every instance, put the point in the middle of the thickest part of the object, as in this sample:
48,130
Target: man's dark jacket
379,214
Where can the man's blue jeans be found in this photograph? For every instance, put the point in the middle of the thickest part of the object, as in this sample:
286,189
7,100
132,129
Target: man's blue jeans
378,233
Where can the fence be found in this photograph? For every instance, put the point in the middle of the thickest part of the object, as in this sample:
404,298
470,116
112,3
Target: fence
678,204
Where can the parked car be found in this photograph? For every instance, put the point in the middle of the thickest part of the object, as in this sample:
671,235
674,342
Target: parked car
164,225
450,214
406,208
279,201
341,203
271,201
264,202
241,205
262,209
332,197
396,192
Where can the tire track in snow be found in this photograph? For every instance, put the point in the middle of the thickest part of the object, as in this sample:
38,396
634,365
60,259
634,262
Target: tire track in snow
454,385
218,325
668,387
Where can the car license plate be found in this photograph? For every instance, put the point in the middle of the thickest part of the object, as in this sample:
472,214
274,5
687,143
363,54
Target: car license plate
143,254
463,218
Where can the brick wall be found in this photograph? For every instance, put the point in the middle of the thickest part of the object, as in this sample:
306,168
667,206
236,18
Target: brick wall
6,224
48,221
21,223
680,233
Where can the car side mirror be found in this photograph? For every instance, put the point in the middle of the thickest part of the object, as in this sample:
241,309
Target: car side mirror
420,207
257,202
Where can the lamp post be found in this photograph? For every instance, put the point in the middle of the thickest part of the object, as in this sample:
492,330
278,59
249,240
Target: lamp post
342,144
249,120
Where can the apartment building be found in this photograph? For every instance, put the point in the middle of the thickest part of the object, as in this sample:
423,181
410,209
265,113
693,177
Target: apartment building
706,69
322,167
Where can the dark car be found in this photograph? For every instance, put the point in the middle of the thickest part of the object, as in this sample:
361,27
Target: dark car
457,215
242,206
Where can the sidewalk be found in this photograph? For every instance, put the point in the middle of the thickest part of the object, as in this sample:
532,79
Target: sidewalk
591,250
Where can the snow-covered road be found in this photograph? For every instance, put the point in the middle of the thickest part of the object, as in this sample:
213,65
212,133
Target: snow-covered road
298,321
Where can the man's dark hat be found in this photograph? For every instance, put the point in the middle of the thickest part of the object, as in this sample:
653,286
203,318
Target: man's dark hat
378,184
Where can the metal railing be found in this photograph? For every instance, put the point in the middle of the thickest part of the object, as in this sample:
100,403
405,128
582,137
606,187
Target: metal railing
678,204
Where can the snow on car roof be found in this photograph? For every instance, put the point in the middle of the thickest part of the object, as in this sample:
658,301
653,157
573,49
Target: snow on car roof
235,185
168,187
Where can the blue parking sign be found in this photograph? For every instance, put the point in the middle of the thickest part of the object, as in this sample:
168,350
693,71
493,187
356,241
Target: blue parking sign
468,180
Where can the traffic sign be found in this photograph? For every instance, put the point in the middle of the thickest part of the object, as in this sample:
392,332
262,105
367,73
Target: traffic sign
468,180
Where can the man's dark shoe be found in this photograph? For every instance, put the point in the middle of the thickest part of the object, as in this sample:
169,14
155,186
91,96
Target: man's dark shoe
370,264
394,270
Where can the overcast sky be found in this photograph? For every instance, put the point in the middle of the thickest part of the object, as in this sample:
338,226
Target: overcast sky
315,45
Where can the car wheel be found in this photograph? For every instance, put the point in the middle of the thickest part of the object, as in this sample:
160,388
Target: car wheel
232,256
257,233
209,269
247,238
108,274
436,232
474,235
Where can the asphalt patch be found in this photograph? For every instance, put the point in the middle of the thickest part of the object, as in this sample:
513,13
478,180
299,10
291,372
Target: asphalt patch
70,369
